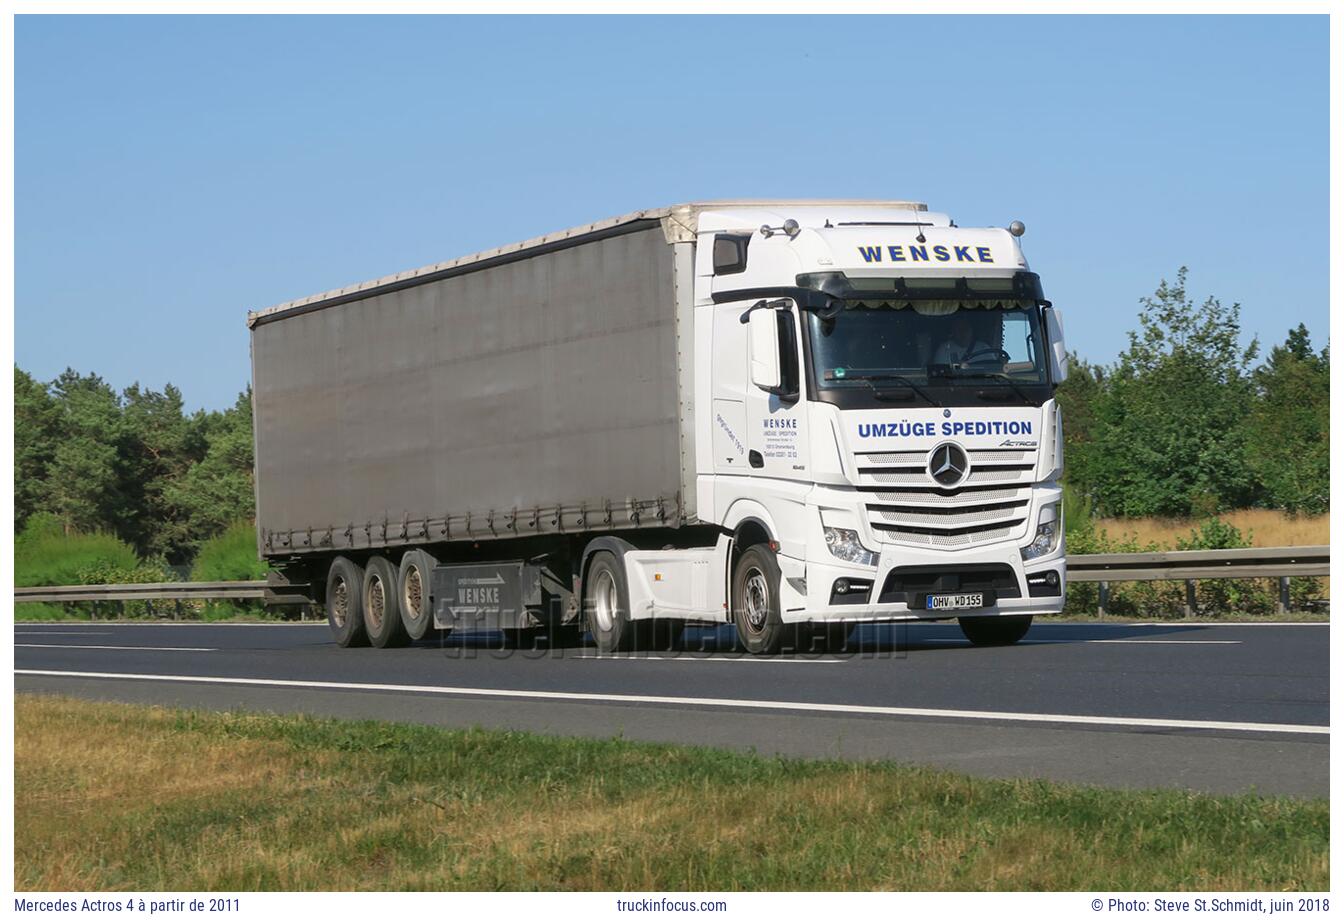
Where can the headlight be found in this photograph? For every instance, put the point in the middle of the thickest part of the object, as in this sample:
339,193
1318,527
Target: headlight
844,544
1047,535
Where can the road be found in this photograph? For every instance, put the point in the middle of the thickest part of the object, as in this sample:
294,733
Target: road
1218,708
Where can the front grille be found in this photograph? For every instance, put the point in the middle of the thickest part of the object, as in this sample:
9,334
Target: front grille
905,506
903,585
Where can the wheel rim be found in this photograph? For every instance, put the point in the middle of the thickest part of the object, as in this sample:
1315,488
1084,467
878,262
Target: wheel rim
413,592
375,602
756,599
340,602
604,600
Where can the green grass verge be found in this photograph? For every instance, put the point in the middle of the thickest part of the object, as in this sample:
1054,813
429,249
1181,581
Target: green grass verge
137,798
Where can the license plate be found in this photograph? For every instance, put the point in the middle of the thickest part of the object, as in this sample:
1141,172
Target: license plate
954,601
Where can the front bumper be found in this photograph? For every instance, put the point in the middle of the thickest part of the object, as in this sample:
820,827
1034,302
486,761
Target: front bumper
808,589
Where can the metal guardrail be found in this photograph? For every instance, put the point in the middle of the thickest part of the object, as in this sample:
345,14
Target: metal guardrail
1190,566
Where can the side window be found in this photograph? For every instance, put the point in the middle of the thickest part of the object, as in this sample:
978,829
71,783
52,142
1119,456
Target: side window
1017,339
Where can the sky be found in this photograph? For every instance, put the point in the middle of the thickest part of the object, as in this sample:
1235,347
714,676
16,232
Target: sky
172,173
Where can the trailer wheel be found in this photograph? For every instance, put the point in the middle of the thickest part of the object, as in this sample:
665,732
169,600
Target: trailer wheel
994,630
606,603
756,603
413,584
344,603
382,607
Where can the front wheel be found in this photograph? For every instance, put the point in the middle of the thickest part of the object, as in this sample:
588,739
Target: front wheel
994,630
756,602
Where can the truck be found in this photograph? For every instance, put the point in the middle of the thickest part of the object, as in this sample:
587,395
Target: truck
792,416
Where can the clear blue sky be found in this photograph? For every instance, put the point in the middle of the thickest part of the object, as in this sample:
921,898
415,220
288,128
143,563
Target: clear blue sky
172,173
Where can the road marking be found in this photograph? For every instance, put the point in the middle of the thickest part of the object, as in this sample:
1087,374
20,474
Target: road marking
1129,641
693,657
778,705
1196,624
134,648
59,632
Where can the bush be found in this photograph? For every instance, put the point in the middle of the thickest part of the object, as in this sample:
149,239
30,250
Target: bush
44,554
230,556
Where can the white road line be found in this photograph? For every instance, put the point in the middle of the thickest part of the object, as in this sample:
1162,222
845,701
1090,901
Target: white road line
1130,642
693,657
134,648
1197,624
778,705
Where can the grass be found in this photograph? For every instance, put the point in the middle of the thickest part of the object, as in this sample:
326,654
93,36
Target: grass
137,798
1265,527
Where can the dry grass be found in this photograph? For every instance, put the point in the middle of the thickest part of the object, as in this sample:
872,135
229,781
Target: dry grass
136,798
1263,526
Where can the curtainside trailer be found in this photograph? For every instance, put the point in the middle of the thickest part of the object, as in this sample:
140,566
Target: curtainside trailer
794,416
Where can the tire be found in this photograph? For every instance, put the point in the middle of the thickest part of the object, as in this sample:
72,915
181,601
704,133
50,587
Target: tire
345,603
994,630
382,607
413,585
756,615
606,604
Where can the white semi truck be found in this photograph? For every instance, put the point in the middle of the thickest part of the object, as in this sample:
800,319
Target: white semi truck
794,416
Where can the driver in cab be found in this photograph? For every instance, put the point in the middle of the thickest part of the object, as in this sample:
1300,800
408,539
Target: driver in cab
962,345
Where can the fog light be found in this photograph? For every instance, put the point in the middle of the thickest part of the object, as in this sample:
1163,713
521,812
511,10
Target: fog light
842,586
1052,578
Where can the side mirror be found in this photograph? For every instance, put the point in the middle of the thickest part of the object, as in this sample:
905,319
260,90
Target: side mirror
1054,334
764,350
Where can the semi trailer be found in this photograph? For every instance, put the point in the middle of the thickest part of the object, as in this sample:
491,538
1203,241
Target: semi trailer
791,416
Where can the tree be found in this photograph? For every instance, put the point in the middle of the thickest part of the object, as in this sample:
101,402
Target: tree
1170,434
83,486
36,423
218,490
1289,443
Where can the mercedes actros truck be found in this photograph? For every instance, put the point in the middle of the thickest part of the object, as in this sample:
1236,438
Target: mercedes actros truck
791,416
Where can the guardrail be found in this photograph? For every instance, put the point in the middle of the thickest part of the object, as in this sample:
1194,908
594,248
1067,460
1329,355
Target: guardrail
1190,566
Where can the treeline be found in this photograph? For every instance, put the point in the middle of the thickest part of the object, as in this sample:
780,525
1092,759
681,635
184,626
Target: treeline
134,465
1187,422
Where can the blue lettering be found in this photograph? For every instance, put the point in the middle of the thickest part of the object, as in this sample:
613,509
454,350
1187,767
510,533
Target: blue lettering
963,253
919,254
940,253
896,253
871,253
983,253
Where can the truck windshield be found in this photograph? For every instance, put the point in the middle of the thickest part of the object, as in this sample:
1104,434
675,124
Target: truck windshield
946,352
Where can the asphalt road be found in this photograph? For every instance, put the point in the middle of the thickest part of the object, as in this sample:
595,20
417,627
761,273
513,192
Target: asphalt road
1220,708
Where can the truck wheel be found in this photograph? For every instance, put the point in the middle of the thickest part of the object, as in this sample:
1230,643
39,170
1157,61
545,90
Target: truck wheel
756,603
382,609
606,603
413,583
994,630
344,602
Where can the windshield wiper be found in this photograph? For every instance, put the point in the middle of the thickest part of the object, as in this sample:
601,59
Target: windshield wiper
996,375
895,378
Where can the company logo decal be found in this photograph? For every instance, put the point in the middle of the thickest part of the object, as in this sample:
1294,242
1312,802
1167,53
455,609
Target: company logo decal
947,429
940,253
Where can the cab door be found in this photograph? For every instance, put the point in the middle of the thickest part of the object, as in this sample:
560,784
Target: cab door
776,422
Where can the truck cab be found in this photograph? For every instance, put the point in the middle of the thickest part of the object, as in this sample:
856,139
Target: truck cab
881,393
